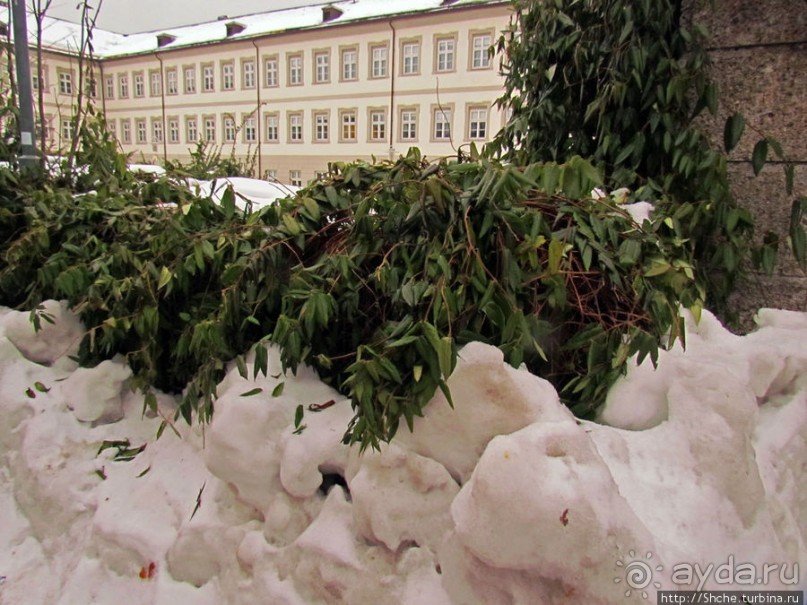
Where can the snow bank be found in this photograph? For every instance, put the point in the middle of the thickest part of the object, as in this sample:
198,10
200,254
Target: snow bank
505,499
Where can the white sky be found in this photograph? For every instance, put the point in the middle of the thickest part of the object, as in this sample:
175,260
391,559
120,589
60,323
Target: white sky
130,16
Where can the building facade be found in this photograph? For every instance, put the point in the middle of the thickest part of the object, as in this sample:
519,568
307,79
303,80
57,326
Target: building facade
292,90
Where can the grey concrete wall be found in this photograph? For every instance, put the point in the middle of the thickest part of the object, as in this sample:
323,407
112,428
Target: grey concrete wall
758,50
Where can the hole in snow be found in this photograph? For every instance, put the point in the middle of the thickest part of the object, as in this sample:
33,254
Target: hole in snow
331,479
555,450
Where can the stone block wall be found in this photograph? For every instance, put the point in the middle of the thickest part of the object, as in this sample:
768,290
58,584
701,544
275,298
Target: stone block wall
758,50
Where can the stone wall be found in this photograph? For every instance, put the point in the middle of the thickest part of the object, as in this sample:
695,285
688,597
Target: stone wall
758,50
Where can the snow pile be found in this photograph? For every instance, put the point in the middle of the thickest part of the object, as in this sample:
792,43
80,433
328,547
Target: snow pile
506,499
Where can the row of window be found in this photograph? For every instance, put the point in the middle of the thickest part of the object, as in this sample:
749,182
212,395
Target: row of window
246,129
191,79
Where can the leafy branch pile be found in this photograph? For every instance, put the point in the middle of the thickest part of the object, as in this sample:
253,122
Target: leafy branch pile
374,276
625,85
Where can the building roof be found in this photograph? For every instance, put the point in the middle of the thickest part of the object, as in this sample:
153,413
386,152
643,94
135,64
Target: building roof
65,36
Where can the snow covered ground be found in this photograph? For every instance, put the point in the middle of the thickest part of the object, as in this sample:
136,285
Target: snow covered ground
699,466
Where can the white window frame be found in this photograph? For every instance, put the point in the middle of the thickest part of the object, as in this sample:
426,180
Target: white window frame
445,54
171,81
348,126
189,79
322,127
228,75
208,77
191,129
442,118
295,120
349,59
322,67
410,57
379,60
295,63
139,85
480,55
248,74
228,128
271,71
272,122
378,125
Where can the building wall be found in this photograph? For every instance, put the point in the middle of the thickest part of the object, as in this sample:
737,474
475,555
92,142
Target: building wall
759,60
347,107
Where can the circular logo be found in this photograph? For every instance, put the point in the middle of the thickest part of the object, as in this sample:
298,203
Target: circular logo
637,573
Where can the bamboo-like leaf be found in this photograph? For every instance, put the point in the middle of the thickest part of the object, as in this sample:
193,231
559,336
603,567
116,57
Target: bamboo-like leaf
733,131
759,156
252,392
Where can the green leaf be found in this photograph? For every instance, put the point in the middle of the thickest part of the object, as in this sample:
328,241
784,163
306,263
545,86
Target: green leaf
759,156
298,416
278,390
41,387
165,278
556,249
228,202
252,392
733,131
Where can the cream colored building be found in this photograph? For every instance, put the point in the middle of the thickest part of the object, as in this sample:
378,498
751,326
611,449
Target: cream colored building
294,89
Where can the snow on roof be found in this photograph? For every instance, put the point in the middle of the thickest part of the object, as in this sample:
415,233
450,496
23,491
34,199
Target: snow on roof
65,36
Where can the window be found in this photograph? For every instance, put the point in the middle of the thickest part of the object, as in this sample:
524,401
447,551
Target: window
229,129
171,81
350,64
66,83
378,64
270,174
295,127
442,124
250,130
270,71
191,130
109,87
228,76
189,77
296,178
123,86
126,131
272,126
444,59
140,126
67,129
208,83
409,124
347,120
410,51
155,84
139,85
112,129
92,86
480,51
173,130
248,74
156,131
321,127
378,125
295,70
210,128
477,123
322,67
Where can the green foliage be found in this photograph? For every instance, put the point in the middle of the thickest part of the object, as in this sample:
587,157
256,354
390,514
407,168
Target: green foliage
374,276
621,84
207,163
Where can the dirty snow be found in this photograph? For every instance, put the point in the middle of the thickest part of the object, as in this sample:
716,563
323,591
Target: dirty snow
505,499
